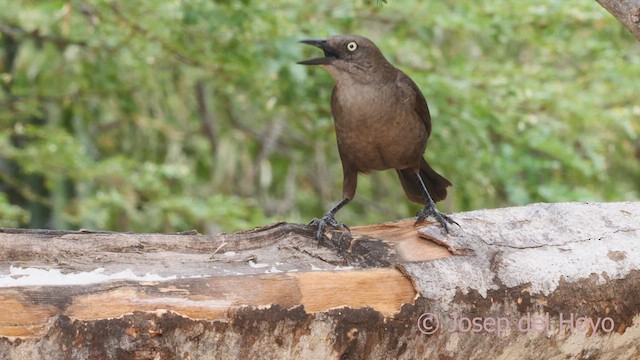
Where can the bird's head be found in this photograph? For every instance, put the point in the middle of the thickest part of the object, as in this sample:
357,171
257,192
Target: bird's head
348,57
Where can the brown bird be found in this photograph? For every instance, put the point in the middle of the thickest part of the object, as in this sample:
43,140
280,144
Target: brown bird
382,122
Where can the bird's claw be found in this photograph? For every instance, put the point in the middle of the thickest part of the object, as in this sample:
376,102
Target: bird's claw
328,220
442,219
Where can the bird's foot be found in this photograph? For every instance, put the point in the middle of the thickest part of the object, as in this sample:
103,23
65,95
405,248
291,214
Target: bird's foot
328,220
430,210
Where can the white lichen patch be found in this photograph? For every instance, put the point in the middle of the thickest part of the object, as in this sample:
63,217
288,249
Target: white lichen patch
18,276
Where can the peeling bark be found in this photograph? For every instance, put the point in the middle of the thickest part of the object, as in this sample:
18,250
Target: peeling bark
541,281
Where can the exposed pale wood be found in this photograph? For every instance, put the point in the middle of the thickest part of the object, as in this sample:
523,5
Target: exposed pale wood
27,311
385,290
405,239
261,294
291,245
228,281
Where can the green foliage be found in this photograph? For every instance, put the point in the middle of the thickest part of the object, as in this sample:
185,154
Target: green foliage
11,215
173,115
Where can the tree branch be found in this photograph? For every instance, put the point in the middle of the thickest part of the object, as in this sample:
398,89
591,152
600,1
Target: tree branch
626,11
16,32
208,123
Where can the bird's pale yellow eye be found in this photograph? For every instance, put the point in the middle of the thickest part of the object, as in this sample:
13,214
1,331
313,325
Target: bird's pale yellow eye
352,46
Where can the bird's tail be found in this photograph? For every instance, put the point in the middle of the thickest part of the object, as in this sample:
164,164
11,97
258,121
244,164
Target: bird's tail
436,184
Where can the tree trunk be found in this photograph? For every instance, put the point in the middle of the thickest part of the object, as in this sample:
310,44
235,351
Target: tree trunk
626,11
540,281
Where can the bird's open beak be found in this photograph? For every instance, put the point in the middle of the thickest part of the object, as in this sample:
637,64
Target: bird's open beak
330,54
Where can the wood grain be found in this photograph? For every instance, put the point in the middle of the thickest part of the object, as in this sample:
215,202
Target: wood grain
27,310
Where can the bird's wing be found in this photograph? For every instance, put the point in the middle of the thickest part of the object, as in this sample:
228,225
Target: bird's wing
420,103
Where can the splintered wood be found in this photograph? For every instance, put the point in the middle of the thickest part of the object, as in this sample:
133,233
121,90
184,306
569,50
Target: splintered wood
202,276
405,238
387,291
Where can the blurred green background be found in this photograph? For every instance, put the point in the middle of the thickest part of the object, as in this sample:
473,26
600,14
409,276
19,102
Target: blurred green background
161,116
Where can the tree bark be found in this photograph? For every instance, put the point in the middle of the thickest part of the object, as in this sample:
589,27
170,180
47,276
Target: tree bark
626,11
540,281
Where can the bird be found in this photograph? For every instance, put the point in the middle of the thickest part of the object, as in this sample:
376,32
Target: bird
382,122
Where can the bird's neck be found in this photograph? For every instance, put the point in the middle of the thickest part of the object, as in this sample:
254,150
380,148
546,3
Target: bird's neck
363,75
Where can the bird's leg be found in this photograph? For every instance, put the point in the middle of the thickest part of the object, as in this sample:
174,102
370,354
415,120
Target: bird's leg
329,220
430,209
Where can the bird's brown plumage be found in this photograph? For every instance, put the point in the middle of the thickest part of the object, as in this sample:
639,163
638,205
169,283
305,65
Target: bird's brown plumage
382,120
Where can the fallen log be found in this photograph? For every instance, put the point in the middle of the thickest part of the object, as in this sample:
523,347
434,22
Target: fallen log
540,281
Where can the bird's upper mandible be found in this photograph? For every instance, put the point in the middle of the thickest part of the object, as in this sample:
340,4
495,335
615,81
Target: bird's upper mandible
349,58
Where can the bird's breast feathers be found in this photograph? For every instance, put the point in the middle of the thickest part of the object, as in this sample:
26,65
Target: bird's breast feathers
376,129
